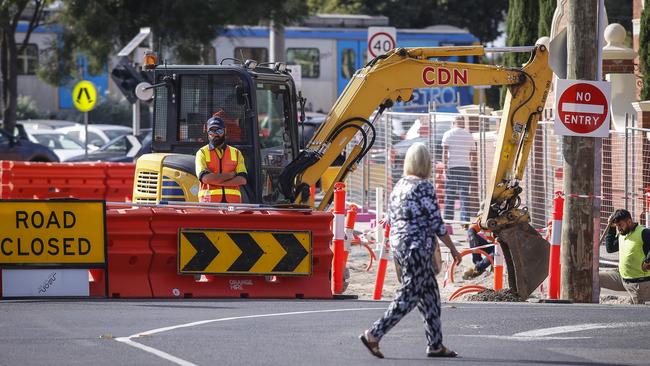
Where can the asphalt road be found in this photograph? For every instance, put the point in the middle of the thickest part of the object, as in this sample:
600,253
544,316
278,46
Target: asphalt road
301,332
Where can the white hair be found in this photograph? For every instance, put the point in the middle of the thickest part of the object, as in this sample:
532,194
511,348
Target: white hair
418,161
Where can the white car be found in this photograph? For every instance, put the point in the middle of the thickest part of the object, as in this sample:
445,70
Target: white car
45,124
63,145
98,134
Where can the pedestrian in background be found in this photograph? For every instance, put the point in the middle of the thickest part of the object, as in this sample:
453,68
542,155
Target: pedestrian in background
415,221
477,239
633,244
458,148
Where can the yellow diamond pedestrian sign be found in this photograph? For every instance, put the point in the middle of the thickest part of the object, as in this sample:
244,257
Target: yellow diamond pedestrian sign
84,96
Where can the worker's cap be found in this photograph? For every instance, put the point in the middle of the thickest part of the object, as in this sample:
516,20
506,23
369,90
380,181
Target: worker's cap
216,122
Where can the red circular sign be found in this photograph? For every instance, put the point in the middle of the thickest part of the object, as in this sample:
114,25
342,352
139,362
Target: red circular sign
380,43
582,108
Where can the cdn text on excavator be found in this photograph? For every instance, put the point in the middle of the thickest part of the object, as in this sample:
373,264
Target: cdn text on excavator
262,109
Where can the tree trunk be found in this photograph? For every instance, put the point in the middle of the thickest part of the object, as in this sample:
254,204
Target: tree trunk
578,225
11,80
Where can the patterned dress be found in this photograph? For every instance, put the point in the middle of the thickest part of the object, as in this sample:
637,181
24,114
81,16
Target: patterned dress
414,217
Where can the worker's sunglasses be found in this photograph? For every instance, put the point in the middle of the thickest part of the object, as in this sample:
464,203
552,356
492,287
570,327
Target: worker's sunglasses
216,131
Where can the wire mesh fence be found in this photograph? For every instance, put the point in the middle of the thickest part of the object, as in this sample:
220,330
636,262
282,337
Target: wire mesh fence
463,147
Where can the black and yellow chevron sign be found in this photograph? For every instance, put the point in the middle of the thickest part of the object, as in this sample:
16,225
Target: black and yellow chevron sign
218,251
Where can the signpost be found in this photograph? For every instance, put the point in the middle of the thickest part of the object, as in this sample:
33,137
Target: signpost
582,108
84,97
380,41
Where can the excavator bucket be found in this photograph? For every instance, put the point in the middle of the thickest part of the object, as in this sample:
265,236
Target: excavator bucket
526,254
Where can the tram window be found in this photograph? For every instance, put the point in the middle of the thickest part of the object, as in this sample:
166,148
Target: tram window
259,54
307,58
348,64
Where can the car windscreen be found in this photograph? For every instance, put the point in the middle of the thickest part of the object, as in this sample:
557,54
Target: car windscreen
112,134
57,141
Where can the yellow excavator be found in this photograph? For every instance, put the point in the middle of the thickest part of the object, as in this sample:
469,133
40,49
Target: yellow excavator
262,107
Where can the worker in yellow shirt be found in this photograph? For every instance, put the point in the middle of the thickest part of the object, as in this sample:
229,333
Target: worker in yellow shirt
219,167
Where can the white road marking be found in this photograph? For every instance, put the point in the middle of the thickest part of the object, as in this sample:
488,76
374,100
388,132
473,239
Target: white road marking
545,334
516,338
179,361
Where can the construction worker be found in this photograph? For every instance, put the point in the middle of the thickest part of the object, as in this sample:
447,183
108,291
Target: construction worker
219,167
477,239
633,244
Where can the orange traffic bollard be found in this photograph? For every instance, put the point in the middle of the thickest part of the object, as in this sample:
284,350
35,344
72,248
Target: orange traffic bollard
312,196
350,220
383,263
338,264
498,267
556,240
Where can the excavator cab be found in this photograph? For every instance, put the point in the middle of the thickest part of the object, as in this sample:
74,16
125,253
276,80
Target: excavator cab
259,107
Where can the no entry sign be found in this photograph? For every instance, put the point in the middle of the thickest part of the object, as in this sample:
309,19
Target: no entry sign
582,108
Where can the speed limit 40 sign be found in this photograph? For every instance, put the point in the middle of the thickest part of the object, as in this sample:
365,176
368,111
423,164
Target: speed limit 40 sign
380,41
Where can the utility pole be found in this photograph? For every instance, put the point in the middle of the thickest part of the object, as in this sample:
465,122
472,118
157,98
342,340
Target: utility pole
578,228
276,40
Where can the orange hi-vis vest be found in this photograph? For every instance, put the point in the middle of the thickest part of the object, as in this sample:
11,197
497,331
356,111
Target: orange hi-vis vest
226,164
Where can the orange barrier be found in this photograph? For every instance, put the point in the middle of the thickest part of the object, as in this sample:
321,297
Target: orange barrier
383,264
29,180
5,178
166,282
465,290
129,253
119,181
338,247
32,180
556,240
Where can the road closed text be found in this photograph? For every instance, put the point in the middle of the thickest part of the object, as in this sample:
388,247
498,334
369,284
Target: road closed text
52,233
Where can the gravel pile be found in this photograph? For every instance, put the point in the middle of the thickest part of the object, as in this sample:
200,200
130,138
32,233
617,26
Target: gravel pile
505,295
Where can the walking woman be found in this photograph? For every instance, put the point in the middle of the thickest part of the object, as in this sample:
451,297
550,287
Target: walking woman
415,221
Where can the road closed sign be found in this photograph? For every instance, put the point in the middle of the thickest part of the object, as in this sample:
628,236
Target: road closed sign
52,233
582,108
380,41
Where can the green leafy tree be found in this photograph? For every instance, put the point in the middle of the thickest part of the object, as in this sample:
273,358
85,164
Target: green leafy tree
479,17
183,30
26,108
546,11
13,12
521,29
644,51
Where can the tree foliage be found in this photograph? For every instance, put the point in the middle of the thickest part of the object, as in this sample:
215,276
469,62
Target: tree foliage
481,19
12,12
521,29
183,30
546,11
644,51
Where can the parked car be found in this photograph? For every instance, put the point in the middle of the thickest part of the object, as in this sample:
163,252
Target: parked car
124,149
46,124
63,145
98,134
15,148
306,130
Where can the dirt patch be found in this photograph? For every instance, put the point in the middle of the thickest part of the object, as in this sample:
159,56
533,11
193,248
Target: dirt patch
613,299
505,295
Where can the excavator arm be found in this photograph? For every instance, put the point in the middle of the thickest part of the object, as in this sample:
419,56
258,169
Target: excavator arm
391,78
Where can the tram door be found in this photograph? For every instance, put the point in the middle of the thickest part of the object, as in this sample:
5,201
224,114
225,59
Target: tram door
351,56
